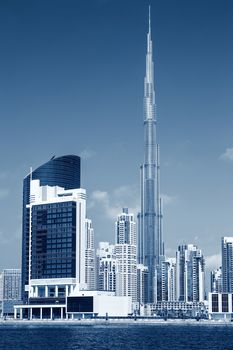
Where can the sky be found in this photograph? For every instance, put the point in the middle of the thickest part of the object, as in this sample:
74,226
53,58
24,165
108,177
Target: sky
71,82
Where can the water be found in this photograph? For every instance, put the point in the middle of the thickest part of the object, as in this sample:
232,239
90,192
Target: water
153,337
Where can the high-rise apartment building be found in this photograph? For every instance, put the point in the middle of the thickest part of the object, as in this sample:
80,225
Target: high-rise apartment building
125,228
227,264
59,171
190,274
126,261
10,290
150,240
106,267
169,280
90,273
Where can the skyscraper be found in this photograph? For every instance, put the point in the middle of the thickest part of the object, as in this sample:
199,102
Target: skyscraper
60,171
169,280
227,264
150,240
57,240
142,284
190,274
90,273
126,263
125,228
106,267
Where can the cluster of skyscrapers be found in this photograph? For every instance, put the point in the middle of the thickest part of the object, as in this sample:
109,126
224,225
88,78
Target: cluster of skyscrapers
58,254
62,273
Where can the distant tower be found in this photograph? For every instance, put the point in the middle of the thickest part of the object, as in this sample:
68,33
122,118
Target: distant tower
227,263
169,280
150,240
106,267
142,284
90,274
216,280
190,274
125,228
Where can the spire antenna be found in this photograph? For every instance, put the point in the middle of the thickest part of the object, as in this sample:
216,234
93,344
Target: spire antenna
149,21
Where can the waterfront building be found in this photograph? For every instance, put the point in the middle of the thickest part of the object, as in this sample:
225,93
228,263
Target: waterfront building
79,305
10,290
227,264
56,243
98,303
216,281
220,306
106,267
126,261
90,274
181,309
59,171
190,274
150,238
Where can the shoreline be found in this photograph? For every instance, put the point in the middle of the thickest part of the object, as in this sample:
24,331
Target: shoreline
112,322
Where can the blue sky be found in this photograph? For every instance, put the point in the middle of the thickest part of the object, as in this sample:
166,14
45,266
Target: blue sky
72,83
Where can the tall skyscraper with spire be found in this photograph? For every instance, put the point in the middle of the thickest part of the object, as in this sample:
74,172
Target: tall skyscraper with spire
150,240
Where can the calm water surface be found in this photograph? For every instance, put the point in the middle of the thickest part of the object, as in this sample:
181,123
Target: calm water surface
162,337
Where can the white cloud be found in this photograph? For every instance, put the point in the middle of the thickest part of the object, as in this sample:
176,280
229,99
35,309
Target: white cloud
4,192
213,261
111,204
166,199
227,155
87,153
101,200
122,191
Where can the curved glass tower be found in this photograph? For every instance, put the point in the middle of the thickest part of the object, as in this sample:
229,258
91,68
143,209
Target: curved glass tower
150,242
60,171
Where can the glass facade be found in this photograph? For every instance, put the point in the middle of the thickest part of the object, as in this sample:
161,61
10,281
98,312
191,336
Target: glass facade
53,240
61,171
80,304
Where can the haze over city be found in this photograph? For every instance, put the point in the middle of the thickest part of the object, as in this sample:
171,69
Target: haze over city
72,83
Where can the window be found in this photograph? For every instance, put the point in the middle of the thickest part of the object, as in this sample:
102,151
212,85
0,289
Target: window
215,303
225,303
80,304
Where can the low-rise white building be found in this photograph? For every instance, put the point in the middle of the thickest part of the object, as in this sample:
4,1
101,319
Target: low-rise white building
98,303
79,304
